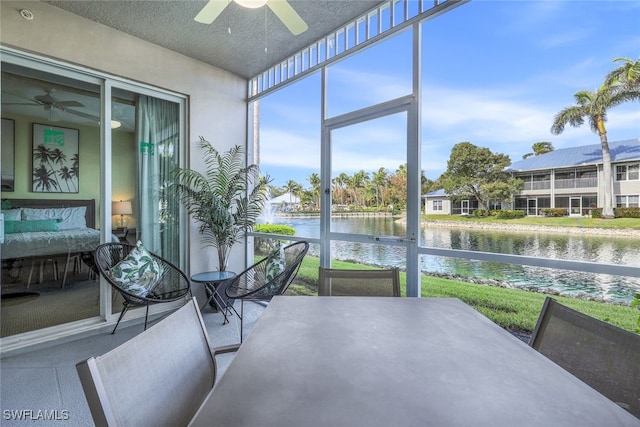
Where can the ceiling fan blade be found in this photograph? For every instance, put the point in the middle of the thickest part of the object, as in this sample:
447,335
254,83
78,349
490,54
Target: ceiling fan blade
65,104
22,103
211,10
288,16
45,99
81,114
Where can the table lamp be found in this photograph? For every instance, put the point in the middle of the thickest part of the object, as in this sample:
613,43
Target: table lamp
121,208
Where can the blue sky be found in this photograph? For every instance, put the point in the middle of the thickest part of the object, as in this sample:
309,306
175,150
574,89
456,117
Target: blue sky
494,73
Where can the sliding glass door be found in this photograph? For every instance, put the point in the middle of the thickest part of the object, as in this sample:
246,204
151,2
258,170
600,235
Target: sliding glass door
92,160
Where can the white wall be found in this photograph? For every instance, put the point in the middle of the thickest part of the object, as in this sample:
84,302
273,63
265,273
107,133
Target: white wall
217,107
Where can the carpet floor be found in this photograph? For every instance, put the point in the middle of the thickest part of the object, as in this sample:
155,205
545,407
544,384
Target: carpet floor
27,311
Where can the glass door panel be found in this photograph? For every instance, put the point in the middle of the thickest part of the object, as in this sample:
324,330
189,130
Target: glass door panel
368,192
54,187
575,206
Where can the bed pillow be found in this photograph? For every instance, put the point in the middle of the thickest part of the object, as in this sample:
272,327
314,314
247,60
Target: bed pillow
275,263
68,218
138,273
11,214
30,226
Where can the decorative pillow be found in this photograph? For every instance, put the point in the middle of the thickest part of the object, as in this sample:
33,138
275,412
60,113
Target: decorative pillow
68,218
138,273
275,263
12,214
30,226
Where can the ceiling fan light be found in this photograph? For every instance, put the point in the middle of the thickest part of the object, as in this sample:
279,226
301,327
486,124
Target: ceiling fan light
251,4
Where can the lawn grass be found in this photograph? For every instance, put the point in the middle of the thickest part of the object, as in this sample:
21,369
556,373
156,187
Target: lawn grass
615,224
514,309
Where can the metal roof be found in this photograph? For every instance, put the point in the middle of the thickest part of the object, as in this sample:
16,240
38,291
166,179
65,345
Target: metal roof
586,155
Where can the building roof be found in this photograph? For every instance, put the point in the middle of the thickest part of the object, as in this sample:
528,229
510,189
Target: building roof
437,193
286,198
585,155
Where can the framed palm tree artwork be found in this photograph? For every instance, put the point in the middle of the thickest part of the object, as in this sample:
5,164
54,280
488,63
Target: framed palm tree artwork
55,159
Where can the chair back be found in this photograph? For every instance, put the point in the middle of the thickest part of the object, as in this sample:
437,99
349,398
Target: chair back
340,282
172,284
158,378
602,355
253,284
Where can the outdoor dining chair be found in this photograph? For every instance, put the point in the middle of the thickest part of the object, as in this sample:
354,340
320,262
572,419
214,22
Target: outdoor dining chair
340,282
158,378
602,355
267,278
139,276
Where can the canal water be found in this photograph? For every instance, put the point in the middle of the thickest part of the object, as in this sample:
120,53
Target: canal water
601,249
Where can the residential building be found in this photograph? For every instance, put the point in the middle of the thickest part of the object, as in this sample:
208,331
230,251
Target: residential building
572,178
569,178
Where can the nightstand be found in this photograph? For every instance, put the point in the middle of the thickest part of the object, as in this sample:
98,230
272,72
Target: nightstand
124,234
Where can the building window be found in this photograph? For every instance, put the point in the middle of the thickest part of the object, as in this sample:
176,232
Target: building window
628,172
437,205
627,201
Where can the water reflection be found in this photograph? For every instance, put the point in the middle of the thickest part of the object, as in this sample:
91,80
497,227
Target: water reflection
562,246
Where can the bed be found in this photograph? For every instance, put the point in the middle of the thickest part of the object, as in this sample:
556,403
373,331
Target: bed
47,228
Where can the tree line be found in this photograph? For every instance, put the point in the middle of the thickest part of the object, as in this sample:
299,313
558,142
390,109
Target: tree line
378,191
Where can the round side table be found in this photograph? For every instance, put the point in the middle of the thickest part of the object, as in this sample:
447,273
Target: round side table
212,280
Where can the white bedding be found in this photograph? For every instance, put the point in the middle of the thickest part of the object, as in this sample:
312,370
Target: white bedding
23,245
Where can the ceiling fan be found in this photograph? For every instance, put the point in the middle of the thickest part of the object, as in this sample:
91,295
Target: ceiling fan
52,105
281,8
48,101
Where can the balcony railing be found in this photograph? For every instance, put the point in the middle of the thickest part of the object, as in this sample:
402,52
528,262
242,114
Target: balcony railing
562,183
537,185
576,183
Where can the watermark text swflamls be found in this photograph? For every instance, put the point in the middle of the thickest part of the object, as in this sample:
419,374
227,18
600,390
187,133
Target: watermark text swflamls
35,415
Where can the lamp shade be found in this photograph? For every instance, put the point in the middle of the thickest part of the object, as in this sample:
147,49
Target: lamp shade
121,208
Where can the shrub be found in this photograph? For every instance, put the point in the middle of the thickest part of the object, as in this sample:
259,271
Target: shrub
479,213
262,245
555,212
627,212
275,229
633,212
509,214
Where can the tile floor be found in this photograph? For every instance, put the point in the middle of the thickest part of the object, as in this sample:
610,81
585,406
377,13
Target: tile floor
46,379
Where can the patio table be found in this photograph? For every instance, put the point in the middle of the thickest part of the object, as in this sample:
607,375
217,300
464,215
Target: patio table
366,361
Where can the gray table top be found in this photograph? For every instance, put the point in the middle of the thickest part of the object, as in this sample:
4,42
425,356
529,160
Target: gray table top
352,361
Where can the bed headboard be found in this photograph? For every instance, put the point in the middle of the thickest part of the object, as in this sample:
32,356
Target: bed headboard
90,214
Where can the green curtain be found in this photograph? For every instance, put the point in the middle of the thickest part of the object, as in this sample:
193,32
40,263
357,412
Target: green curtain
157,134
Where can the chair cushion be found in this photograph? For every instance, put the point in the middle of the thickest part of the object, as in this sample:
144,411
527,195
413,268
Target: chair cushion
275,263
138,273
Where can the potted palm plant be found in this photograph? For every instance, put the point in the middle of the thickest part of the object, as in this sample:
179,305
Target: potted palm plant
226,200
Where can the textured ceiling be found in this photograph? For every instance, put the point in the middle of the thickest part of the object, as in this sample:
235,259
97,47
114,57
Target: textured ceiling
235,41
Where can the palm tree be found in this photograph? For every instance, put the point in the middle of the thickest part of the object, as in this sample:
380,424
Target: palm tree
542,147
341,182
626,75
57,156
43,178
380,183
593,106
226,200
314,180
293,188
66,175
359,182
